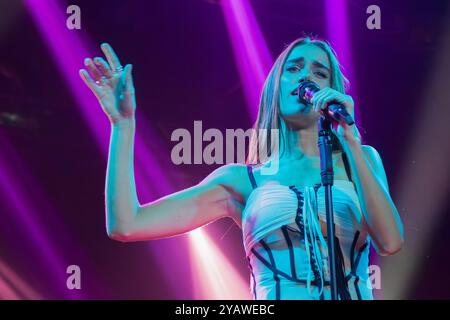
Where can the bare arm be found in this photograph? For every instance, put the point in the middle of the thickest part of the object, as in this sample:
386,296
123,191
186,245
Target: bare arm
381,217
126,218
185,210
113,87
121,200
168,216
380,214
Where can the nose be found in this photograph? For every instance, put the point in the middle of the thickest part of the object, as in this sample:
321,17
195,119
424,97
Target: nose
305,75
303,79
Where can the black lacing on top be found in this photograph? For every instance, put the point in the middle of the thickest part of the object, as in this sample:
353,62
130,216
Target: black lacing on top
299,221
251,176
271,265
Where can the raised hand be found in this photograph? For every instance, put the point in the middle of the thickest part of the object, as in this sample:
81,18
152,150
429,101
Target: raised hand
112,85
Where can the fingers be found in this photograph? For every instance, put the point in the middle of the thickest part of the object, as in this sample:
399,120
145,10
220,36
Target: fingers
94,72
317,96
129,87
320,99
103,66
111,56
325,100
88,80
326,96
98,71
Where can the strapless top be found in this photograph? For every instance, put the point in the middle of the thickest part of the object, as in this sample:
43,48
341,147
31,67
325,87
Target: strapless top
286,245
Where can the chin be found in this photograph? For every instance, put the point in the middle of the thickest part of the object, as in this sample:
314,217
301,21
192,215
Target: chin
301,119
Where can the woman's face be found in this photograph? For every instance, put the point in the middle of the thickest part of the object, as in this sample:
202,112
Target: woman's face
305,62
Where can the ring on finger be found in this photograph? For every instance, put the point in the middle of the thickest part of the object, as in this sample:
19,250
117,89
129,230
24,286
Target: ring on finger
118,69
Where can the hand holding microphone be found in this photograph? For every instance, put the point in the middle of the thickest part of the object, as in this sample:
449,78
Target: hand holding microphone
330,102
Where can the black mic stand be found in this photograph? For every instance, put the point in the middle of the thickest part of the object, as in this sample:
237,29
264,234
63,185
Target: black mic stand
305,92
327,176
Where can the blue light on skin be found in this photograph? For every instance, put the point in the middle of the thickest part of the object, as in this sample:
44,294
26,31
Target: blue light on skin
309,62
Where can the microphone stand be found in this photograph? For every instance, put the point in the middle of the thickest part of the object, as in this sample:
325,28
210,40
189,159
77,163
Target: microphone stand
305,92
327,177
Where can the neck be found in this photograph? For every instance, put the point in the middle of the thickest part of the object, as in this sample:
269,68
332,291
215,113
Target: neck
303,142
306,141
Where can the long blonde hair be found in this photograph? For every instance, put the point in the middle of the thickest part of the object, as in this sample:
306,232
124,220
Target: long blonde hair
269,114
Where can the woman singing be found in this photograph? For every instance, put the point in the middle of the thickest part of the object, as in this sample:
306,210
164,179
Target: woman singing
282,215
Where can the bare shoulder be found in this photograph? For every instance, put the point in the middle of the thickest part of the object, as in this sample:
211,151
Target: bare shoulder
373,156
369,149
233,177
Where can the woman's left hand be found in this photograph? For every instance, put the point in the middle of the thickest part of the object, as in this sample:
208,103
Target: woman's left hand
327,95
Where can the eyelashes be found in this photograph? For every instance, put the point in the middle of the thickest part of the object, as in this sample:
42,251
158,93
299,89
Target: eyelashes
297,68
293,68
321,74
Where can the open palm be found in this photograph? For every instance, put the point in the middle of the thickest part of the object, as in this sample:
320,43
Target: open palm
112,85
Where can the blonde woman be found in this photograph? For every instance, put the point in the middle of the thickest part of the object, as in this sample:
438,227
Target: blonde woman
282,215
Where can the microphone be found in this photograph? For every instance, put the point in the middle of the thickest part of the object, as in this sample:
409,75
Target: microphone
336,111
